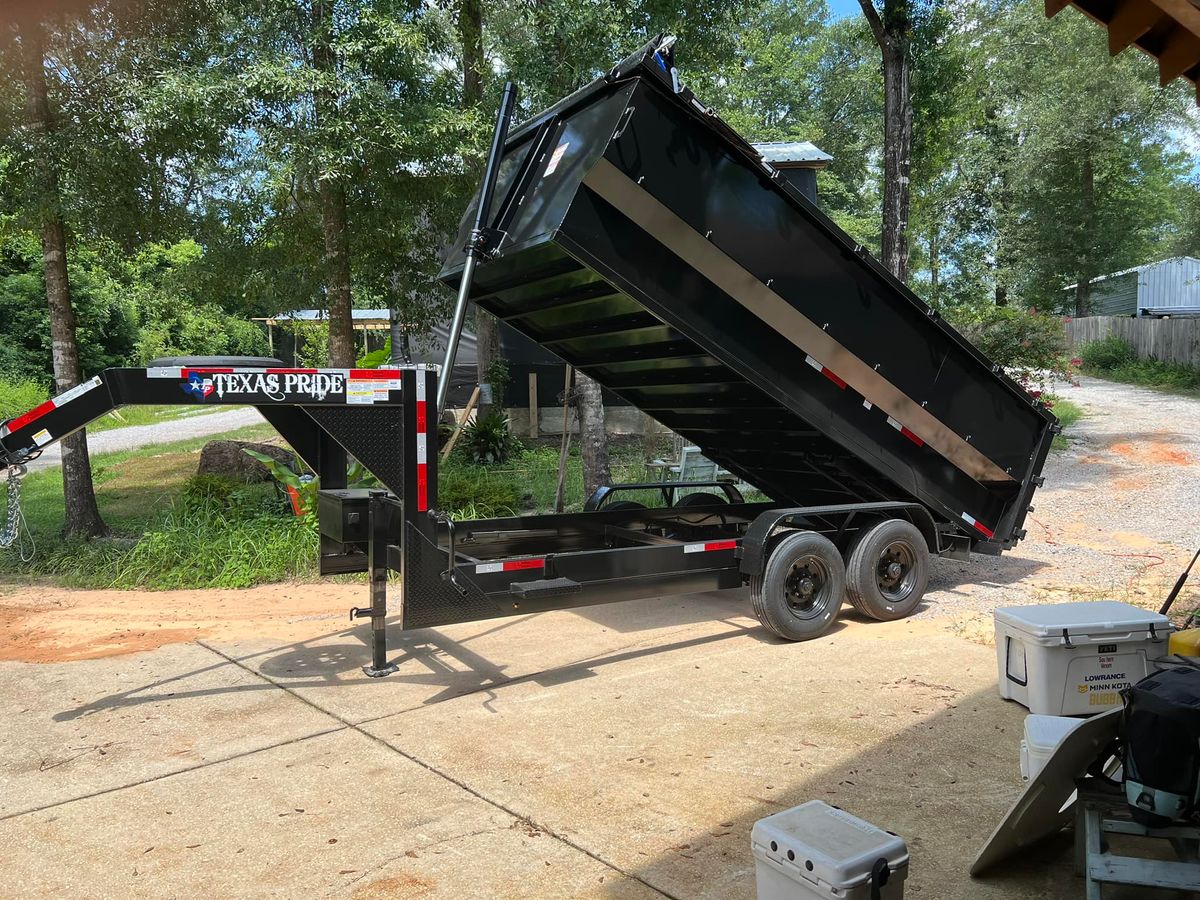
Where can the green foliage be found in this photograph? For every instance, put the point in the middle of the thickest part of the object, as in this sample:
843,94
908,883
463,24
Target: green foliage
472,492
1069,414
377,358
1112,357
18,396
205,489
489,439
1025,342
201,546
1107,354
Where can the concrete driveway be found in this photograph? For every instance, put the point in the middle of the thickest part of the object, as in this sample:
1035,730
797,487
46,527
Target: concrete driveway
626,751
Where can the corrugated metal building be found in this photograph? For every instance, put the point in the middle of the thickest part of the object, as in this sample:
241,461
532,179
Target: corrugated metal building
1170,286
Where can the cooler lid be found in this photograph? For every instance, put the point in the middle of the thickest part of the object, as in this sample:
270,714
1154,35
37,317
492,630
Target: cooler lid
1044,733
841,848
1081,617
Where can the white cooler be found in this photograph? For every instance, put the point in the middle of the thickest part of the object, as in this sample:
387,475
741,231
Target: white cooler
819,851
1043,734
1073,659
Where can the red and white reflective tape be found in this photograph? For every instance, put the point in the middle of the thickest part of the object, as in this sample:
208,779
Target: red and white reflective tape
43,436
710,546
422,447
510,565
827,372
904,431
978,526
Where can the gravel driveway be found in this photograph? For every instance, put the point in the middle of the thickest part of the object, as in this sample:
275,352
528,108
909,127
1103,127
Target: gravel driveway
1118,518
181,429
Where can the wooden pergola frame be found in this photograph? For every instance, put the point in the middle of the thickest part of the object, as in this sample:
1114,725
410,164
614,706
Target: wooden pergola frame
1168,30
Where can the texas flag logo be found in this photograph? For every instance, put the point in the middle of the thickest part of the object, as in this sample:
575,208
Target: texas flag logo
197,386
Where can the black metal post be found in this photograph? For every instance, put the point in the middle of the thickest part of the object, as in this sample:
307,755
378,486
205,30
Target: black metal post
478,238
379,518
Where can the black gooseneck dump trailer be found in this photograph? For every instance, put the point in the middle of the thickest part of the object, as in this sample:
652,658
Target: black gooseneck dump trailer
639,238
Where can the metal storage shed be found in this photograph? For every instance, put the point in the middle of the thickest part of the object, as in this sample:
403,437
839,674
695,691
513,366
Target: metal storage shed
1167,287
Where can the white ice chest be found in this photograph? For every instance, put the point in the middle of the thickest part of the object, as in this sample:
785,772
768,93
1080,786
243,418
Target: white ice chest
815,850
1073,659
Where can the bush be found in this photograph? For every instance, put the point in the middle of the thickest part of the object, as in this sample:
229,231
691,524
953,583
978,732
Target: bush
489,439
1107,353
18,396
1024,342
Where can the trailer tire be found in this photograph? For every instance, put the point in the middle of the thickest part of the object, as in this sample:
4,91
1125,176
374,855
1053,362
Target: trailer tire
887,570
800,591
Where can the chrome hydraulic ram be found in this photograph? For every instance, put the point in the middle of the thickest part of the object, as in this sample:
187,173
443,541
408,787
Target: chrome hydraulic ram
479,234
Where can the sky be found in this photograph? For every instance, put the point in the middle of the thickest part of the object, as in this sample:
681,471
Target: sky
841,8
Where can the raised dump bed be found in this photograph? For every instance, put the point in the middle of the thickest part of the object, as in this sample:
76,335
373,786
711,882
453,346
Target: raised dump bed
643,241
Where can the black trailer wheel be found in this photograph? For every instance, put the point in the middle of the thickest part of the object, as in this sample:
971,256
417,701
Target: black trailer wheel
624,504
701,498
887,570
800,591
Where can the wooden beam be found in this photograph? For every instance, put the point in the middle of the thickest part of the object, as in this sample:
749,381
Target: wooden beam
462,423
534,413
1130,20
1182,11
1054,7
1180,53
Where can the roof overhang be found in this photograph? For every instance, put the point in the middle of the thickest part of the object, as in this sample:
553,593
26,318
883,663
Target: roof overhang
1168,30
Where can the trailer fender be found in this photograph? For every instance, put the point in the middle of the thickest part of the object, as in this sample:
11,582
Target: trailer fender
763,531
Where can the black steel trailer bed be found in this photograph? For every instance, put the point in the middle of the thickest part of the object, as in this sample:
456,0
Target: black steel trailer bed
645,243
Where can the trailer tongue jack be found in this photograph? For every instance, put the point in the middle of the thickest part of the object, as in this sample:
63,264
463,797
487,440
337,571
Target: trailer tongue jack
638,237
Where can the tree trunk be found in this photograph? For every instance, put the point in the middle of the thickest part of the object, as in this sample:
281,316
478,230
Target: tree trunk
1083,281
593,435
1001,295
891,31
82,516
333,200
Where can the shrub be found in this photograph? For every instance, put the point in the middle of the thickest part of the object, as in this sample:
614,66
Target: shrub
489,439
20,395
1024,342
1107,354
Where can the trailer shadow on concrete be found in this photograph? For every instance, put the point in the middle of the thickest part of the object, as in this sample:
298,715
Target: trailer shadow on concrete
448,667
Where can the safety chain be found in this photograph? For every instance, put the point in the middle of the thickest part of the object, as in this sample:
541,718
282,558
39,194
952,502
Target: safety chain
12,519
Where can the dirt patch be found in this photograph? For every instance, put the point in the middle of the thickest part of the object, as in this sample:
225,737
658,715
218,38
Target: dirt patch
1160,452
65,625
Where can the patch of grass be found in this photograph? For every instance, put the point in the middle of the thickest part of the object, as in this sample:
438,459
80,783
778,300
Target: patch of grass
140,495
1068,415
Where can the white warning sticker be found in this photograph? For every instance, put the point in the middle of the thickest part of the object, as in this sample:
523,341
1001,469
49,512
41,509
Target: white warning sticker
42,437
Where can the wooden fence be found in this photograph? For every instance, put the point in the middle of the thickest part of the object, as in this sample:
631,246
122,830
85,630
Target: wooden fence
1169,340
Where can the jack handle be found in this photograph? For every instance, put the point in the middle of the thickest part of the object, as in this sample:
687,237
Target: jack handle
451,573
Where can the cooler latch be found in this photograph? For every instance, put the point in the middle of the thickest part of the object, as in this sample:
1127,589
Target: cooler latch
1066,640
